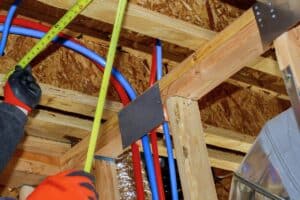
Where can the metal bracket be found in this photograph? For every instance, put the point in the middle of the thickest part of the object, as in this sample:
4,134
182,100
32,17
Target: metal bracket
274,17
141,116
293,91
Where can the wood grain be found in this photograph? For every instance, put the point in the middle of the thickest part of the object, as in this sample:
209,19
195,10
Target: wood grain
190,149
106,180
144,21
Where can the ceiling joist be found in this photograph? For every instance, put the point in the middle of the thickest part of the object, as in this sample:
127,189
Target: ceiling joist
160,26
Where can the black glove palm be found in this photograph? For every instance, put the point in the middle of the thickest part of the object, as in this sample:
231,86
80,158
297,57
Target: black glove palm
22,90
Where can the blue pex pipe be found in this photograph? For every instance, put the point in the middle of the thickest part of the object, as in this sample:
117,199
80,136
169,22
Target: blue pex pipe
7,25
159,71
77,48
171,160
130,91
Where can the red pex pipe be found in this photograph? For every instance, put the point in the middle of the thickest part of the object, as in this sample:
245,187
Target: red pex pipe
37,26
120,90
153,135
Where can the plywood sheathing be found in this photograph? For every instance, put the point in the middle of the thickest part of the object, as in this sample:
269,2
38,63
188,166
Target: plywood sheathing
67,69
193,11
222,14
239,109
210,14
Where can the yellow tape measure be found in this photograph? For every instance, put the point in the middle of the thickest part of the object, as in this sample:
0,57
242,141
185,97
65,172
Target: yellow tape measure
76,9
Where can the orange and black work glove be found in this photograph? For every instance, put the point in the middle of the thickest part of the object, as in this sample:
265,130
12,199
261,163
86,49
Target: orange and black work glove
68,185
22,90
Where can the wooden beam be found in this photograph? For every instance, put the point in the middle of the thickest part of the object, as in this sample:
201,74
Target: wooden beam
220,58
35,159
266,65
35,163
158,25
106,180
217,158
227,139
213,136
259,90
190,149
110,141
46,124
224,160
54,126
215,62
58,127
15,179
43,146
72,101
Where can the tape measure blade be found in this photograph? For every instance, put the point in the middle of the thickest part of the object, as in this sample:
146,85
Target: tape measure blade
75,10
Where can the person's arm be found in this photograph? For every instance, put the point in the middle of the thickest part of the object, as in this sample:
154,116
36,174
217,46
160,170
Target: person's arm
12,122
21,95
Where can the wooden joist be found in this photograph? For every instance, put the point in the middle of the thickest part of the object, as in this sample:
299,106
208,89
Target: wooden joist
15,178
227,139
57,127
35,163
43,146
71,101
157,25
79,128
34,159
49,125
217,158
224,160
215,62
160,26
258,90
266,65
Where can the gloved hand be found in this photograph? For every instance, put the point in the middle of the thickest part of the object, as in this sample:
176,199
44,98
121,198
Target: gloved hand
22,90
68,185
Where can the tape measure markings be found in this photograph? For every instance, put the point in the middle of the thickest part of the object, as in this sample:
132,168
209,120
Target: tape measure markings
76,9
